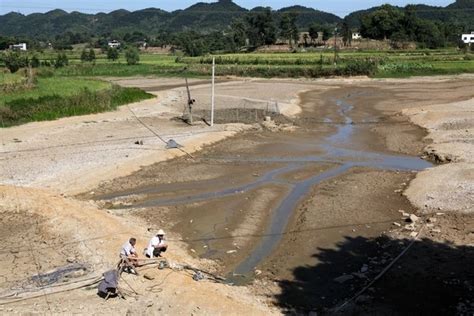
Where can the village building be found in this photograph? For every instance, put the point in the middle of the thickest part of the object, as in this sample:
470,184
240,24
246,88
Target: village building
356,36
19,46
114,44
468,38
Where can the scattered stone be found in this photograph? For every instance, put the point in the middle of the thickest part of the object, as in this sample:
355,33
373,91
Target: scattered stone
440,214
413,234
412,218
432,220
344,278
410,227
397,224
149,304
258,272
71,259
231,251
148,276
268,119
193,251
436,230
364,268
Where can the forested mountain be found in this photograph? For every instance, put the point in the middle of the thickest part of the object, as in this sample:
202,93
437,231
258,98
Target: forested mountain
460,13
202,17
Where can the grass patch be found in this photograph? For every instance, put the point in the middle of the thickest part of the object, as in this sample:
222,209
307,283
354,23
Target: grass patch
53,106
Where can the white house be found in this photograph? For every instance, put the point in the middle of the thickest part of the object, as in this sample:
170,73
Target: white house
468,38
114,44
356,36
19,46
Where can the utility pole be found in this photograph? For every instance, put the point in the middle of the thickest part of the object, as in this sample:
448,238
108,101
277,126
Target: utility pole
213,89
335,46
190,102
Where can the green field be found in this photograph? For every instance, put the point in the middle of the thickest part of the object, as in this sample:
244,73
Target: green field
56,97
72,90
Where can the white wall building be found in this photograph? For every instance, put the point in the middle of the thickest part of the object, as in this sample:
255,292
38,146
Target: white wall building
19,46
356,36
468,38
114,44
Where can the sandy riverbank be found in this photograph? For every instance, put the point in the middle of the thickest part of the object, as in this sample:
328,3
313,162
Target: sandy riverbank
77,154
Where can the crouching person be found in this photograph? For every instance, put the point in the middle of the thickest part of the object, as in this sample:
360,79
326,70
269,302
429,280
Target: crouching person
157,245
129,256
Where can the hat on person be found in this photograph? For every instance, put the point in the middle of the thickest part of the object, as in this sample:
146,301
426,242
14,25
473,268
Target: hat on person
160,232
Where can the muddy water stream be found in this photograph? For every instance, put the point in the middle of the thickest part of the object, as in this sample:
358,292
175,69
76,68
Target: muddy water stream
336,149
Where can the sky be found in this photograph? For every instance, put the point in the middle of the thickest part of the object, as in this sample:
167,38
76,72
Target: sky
338,7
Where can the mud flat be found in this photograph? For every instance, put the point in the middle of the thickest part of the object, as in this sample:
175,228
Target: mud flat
303,213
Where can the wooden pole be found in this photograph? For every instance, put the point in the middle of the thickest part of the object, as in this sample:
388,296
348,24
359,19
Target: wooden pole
190,102
213,90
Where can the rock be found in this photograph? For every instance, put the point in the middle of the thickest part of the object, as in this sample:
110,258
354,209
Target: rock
397,224
344,278
268,119
432,220
231,251
413,234
364,268
412,218
71,259
410,227
436,230
193,251
440,214
258,272
148,276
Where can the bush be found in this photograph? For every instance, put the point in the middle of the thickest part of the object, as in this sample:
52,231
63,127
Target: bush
112,54
132,56
61,61
14,61
35,63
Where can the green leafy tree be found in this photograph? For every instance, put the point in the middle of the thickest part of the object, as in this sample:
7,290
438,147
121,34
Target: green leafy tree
313,32
239,32
35,63
346,33
132,56
288,29
84,56
61,61
261,28
112,54
382,23
91,56
14,61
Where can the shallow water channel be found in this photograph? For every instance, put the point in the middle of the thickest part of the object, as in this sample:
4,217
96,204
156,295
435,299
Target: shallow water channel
336,150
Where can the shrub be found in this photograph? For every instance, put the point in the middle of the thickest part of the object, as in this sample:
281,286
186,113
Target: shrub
14,61
61,61
132,56
112,54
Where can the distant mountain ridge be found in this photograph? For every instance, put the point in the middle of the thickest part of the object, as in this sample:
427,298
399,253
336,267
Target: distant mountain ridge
200,17
458,12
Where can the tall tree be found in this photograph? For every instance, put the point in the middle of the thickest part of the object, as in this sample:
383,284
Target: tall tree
261,28
288,29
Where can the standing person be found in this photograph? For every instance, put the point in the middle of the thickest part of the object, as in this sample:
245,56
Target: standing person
157,245
129,256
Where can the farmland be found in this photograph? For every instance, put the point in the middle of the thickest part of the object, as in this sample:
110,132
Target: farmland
55,97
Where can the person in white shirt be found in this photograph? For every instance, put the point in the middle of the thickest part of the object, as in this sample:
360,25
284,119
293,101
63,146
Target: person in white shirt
157,245
129,256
